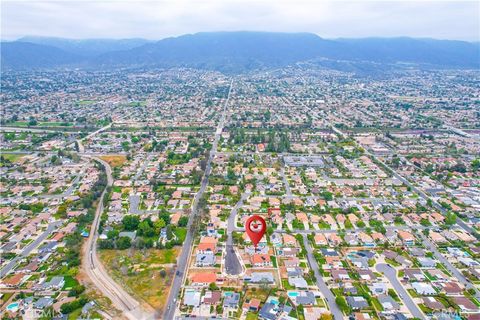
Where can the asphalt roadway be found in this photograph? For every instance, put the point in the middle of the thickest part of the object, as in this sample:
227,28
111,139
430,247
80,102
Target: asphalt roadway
443,211
96,271
29,248
182,260
332,305
391,274
232,264
451,268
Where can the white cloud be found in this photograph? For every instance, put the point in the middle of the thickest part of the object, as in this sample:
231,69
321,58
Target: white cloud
160,19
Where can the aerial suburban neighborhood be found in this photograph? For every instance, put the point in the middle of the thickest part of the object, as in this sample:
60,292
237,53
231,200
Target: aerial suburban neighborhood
126,195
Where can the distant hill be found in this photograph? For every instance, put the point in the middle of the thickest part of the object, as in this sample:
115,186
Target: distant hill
225,51
447,53
87,47
244,51
25,55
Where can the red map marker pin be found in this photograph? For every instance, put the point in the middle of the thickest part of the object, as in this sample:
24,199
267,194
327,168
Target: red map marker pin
255,228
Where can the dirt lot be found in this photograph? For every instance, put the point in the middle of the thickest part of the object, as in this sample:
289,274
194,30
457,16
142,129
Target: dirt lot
146,274
114,161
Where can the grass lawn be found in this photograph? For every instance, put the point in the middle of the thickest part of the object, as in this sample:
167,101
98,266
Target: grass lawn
376,304
287,285
413,293
444,270
274,261
138,103
13,157
114,161
425,309
5,297
444,300
117,189
70,282
472,298
181,233
251,316
392,262
19,124
320,303
41,124
85,102
75,314
54,124
337,292
138,271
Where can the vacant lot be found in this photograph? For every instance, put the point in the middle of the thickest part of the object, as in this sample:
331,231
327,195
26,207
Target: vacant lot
257,293
114,161
13,157
145,274
41,124
86,102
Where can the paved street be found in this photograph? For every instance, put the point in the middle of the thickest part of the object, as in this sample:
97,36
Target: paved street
427,242
232,264
325,231
67,193
29,248
142,168
134,207
422,194
81,148
451,268
334,309
97,273
285,182
182,260
391,274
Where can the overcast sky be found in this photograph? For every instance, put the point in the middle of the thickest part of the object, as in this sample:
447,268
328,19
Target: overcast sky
164,18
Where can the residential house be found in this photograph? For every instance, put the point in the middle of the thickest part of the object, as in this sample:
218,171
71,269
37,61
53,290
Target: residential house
357,302
231,299
203,278
212,297
423,288
261,260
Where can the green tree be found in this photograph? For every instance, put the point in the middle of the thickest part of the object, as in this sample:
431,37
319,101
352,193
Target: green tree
32,122
327,195
76,291
183,221
106,244
159,225
145,228
124,243
113,234
130,222
342,304
62,210
450,219
68,307
476,164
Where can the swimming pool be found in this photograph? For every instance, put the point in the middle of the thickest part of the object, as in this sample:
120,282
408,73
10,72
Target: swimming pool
13,307
293,294
273,300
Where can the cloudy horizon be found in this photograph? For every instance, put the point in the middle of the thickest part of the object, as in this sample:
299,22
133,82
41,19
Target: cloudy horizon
156,20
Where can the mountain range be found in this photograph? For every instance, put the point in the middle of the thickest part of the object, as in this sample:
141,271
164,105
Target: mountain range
233,52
